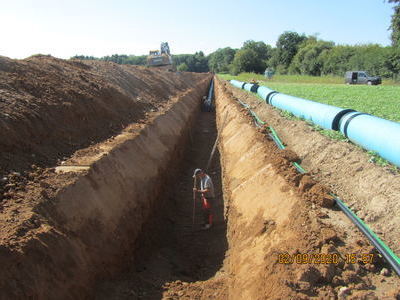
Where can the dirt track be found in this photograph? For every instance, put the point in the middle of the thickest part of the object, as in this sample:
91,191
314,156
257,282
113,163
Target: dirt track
109,215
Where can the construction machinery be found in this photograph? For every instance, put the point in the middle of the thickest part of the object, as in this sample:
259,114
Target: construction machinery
160,58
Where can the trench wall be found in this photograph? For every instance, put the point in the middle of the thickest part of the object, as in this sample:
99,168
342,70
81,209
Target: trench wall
93,223
275,212
259,203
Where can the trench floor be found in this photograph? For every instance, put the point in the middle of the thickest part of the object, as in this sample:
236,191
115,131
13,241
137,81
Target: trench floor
173,257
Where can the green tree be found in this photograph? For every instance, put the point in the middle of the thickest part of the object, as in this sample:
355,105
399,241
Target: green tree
245,61
125,59
220,60
196,62
307,61
83,57
183,67
262,54
263,50
180,58
252,57
370,58
136,60
335,61
392,62
286,48
395,24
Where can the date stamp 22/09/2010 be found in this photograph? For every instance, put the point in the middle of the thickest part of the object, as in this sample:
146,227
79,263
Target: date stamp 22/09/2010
325,258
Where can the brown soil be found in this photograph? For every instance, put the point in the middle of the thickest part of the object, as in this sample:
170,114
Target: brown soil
370,190
66,221
274,210
270,209
108,213
182,261
51,107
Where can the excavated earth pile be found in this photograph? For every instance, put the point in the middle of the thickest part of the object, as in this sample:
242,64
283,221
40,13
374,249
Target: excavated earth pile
50,107
70,213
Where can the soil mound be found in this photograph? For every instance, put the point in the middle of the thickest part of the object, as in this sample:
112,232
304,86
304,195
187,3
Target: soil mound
51,107
83,149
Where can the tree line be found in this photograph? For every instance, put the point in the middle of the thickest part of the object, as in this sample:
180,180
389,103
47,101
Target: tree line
307,55
197,62
294,53
123,59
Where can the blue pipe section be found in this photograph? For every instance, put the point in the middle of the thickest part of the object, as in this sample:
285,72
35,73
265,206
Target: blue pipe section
321,114
248,87
370,132
373,133
265,93
238,84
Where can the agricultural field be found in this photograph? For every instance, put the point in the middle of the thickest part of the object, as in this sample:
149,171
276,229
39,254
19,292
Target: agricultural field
285,78
382,100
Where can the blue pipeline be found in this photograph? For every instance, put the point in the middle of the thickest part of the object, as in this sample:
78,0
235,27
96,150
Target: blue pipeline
370,132
374,134
326,116
265,93
248,86
238,84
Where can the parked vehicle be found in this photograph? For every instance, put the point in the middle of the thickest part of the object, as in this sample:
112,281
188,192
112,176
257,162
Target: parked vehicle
361,77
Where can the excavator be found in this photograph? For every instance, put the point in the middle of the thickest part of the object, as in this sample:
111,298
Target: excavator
161,58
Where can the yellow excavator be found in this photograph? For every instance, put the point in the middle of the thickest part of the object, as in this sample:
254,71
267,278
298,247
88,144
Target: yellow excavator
161,58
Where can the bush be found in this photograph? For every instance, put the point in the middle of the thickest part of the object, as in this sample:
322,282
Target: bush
183,67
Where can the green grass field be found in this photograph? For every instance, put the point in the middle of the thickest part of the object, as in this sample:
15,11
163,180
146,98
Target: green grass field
285,78
295,78
382,100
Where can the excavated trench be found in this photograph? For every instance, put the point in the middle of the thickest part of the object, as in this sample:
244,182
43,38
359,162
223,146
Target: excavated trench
122,228
264,209
172,250
265,213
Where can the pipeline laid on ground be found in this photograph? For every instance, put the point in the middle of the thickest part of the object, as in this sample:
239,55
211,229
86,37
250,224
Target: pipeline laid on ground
384,250
370,132
207,104
211,91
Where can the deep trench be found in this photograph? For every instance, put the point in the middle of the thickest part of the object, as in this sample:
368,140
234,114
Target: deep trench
170,247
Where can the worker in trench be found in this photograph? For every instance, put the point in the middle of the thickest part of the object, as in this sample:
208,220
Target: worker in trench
207,196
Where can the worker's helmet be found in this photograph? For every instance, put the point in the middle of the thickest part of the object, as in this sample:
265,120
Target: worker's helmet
196,172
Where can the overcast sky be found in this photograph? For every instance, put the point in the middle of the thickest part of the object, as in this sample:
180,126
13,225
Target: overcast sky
99,28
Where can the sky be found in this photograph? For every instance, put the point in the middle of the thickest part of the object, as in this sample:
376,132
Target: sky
99,27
